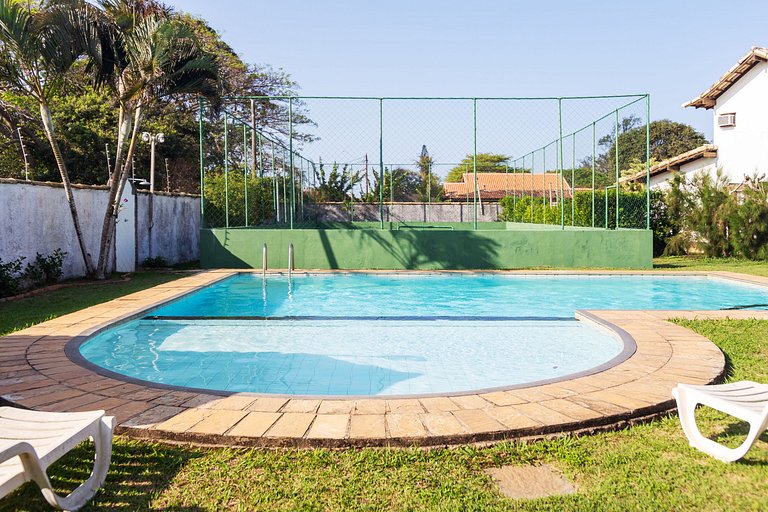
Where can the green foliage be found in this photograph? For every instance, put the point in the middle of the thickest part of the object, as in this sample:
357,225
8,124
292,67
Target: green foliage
229,190
486,162
44,270
748,220
582,178
667,139
399,185
428,188
337,186
156,262
704,214
538,210
9,277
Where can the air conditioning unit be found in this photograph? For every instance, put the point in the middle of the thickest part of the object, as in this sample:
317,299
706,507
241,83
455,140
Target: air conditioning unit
726,120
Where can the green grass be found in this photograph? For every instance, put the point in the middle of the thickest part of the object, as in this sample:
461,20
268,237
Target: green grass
20,314
646,467
758,268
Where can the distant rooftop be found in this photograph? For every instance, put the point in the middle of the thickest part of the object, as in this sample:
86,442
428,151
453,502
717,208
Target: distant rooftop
495,185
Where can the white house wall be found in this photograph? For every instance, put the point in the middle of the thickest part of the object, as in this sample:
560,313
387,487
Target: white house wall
661,181
743,149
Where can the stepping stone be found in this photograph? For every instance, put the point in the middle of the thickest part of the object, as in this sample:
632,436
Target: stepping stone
528,482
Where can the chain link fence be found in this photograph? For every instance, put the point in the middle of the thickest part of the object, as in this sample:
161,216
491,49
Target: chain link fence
442,163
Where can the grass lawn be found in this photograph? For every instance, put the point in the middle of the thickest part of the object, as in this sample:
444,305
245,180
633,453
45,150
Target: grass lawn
647,467
758,268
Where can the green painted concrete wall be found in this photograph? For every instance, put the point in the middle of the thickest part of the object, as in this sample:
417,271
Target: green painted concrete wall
426,249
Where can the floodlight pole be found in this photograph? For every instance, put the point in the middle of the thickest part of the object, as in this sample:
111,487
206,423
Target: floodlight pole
24,154
152,138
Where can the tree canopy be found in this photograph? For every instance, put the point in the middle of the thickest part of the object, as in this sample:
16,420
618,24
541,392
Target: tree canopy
667,139
486,162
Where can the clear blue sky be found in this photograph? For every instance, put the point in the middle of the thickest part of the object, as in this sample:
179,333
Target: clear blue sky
672,49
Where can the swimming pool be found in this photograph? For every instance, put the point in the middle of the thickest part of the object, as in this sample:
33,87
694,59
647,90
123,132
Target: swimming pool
392,334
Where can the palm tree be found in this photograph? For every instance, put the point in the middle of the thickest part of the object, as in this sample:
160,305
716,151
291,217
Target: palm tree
37,48
156,56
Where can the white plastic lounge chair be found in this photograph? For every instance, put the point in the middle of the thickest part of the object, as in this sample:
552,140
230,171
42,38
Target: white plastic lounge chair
745,400
30,441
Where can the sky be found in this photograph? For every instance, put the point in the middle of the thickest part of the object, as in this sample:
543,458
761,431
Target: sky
673,50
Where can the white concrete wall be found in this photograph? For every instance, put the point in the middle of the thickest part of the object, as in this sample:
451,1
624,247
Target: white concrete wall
175,232
404,212
743,149
35,217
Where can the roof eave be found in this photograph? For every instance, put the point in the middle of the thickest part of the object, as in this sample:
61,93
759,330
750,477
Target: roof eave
708,98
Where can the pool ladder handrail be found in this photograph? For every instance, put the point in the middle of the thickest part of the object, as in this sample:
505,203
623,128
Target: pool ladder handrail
290,259
264,261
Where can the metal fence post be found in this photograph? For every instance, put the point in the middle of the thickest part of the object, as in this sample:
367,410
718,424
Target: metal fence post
290,158
226,170
202,161
560,159
616,146
381,165
245,172
474,156
647,161
594,148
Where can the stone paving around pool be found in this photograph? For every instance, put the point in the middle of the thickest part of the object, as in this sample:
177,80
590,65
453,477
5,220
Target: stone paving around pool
36,373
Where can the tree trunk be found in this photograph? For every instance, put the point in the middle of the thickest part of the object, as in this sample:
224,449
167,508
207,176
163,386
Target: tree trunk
115,191
45,114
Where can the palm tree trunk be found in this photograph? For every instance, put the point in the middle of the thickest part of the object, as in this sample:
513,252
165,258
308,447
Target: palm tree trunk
45,114
115,191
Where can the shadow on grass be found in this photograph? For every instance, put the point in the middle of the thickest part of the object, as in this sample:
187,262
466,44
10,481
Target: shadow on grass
138,473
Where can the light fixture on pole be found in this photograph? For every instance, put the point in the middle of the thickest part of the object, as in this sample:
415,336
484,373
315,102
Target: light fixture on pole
152,138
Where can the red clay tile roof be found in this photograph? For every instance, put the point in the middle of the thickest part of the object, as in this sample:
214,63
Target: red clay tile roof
495,185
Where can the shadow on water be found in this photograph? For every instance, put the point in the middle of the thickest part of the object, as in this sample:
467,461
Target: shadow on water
424,249
274,372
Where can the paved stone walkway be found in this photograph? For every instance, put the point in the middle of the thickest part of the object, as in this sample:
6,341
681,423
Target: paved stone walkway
36,373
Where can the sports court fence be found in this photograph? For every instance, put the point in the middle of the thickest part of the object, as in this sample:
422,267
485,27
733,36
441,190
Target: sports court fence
573,162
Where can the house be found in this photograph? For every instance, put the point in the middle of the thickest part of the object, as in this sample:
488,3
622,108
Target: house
739,103
492,186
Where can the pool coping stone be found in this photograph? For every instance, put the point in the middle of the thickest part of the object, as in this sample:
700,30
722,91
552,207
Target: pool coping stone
37,371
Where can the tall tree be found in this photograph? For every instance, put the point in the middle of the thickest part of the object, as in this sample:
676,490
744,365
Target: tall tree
667,139
156,56
486,162
429,188
38,46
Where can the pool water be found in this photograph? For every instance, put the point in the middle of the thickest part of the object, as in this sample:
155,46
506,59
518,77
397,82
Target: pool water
392,334
350,357
455,295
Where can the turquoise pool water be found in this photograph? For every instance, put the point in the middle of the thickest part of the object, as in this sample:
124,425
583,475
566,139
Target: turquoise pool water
391,334
457,295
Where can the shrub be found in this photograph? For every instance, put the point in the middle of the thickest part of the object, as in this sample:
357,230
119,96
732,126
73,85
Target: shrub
747,215
260,199
45,269
156,262
9,277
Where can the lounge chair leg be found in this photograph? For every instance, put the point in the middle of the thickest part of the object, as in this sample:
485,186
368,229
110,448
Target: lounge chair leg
686,408
102,442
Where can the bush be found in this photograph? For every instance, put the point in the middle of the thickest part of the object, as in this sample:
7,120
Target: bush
260,199
44,270
719,222
10,283
156,262
539,211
